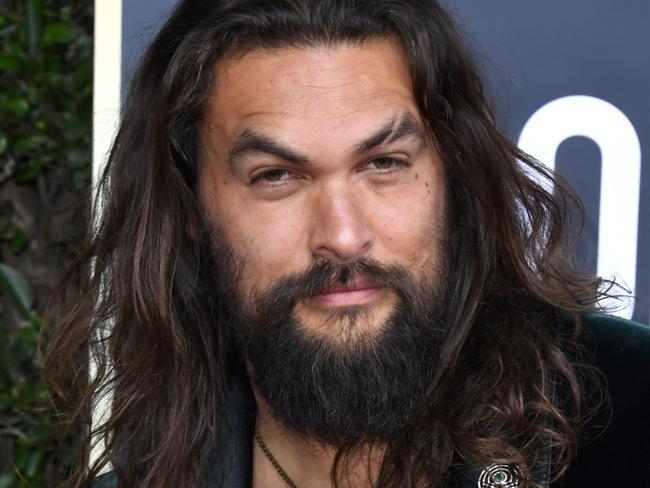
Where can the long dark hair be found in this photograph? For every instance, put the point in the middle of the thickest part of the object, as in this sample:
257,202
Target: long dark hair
141,319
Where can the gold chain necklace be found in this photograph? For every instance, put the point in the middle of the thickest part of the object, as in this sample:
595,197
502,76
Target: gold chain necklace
274,461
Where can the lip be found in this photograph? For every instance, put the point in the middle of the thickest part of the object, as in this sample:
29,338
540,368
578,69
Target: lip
346,296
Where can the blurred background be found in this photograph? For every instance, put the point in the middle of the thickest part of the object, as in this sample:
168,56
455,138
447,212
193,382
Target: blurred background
569,80
46,52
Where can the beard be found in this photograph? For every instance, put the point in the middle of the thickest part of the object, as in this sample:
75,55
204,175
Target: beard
357,387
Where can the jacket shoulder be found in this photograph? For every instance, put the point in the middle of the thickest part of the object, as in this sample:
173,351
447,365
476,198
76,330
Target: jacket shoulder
617,445
620,347
611,326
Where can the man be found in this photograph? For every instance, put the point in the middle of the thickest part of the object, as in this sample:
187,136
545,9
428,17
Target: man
320,264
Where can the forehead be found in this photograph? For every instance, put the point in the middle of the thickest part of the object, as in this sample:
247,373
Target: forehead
304,91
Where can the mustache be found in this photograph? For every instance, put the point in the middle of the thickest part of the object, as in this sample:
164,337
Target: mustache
284,293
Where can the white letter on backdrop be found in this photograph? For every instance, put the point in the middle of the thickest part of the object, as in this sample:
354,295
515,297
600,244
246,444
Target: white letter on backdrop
620,184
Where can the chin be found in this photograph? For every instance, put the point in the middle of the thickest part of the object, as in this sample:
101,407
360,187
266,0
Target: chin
344,326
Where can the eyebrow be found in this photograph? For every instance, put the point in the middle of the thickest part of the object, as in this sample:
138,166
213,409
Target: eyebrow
397,128
251,142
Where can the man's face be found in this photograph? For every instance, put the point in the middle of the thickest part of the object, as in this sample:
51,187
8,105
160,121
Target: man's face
326,197
314,154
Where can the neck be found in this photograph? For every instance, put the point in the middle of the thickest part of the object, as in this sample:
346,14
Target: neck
308,464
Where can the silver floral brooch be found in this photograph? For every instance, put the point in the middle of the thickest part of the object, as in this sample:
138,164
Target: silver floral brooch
499,476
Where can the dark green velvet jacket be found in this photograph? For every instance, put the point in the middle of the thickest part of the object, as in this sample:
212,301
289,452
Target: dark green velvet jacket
618,458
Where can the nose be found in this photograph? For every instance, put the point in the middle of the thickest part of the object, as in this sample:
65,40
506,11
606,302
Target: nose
340,229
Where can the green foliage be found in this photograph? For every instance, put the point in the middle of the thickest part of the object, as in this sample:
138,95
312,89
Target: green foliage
45,99
21,389
45,110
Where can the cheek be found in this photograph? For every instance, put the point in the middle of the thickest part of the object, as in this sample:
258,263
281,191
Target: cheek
266,241
269,248
409,224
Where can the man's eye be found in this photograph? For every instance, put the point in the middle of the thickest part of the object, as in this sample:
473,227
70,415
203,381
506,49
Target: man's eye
386,164
272,176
